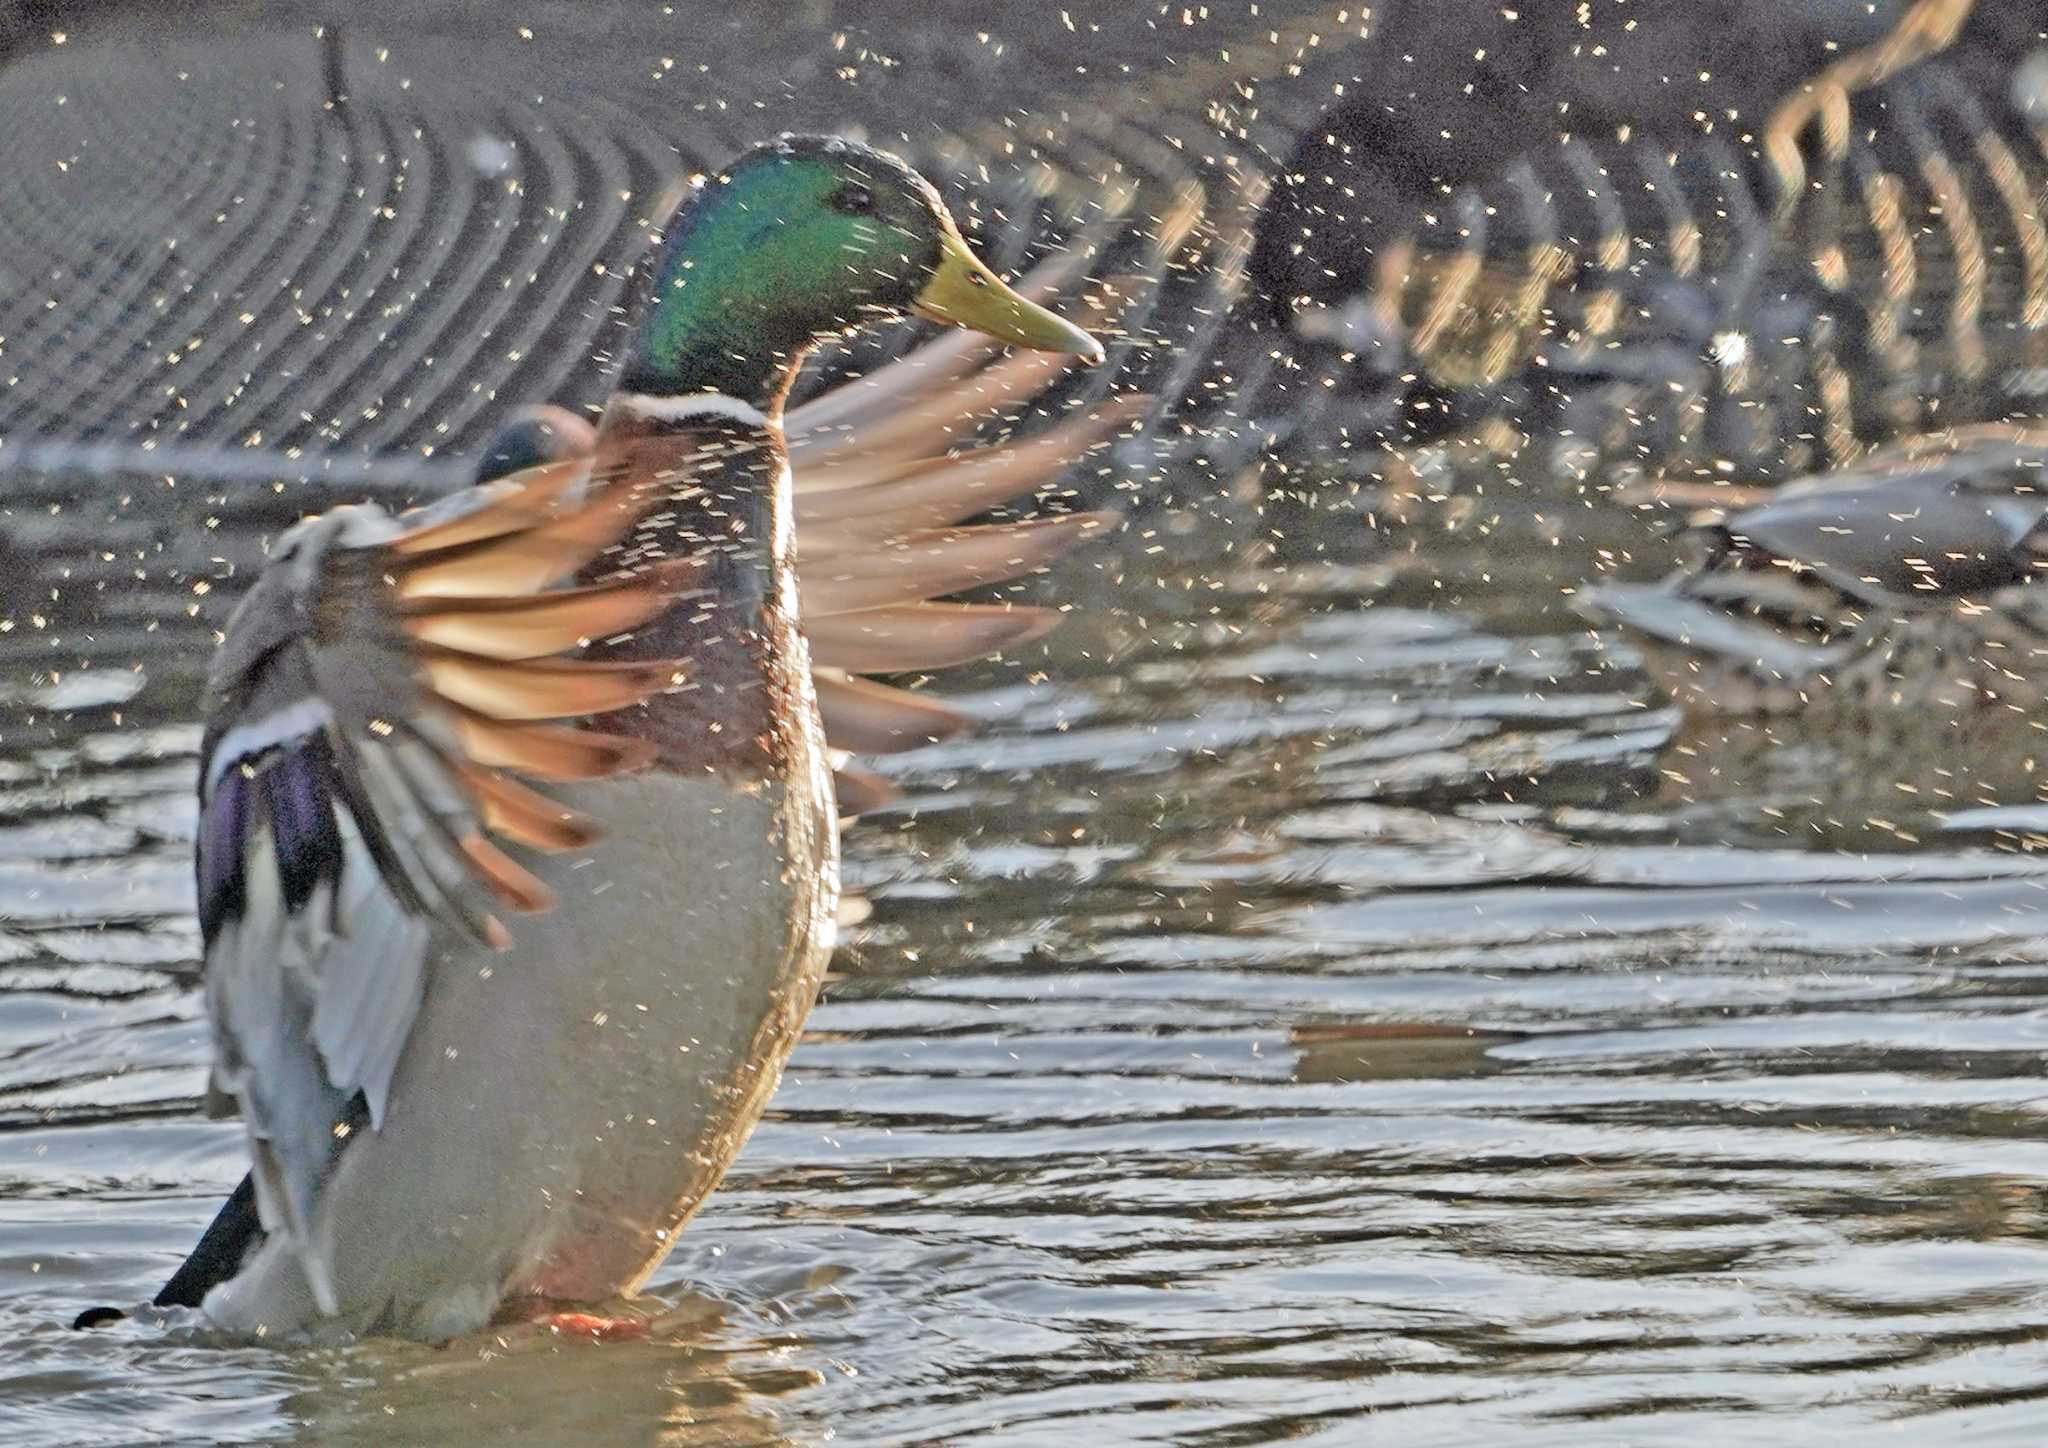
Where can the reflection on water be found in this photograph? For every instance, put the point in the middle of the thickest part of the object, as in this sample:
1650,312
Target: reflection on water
1331,984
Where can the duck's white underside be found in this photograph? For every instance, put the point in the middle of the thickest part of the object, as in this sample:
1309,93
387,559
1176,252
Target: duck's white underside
562,1108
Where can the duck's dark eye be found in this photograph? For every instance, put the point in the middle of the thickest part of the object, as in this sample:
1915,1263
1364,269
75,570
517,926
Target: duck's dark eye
853,199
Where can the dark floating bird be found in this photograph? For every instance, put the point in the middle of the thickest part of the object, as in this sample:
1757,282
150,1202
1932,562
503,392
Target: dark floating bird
1754,235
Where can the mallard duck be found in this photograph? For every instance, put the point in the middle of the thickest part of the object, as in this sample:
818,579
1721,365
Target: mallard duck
445,1110
1905,580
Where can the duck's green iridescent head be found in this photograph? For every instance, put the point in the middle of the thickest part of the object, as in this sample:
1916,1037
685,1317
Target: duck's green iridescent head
801,240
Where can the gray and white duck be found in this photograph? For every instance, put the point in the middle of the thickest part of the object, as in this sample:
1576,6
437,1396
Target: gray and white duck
1910,579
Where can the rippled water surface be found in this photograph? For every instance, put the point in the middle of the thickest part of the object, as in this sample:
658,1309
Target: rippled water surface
1332,985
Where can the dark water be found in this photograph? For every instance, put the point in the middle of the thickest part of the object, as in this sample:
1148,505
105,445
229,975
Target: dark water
1325,992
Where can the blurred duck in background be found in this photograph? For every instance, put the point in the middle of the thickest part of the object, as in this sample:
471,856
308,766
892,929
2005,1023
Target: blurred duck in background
1909,581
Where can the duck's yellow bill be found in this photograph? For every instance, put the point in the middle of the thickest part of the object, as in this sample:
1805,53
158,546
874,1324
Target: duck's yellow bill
965,293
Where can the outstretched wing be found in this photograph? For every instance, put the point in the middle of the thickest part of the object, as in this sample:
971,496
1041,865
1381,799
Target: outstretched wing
376,694
880,495
886,468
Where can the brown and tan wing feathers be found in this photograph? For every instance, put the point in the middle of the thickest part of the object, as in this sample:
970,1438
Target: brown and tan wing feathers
941,561
526,815
544,688
549,751
910,637
943,491
514,505
863,717
494,646
537,624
